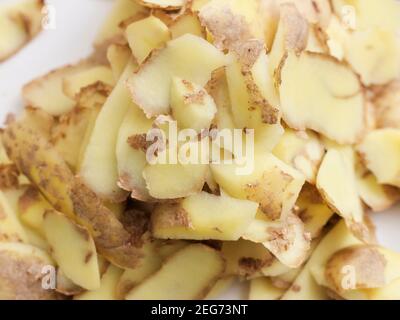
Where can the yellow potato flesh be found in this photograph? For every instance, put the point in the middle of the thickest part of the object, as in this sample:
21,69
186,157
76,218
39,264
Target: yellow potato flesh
187,23
203,216
10,227
19,23
191,105
302,150
306,287
313,211
122,10
74,83
108,284
272,183
286,238
189,57
172,181
73,249
131,161
67,134
118,56
99,166
337,183
245,258
380,150
46,92
194,280
262,289
330,101
67,193
133,277
31,207
146,35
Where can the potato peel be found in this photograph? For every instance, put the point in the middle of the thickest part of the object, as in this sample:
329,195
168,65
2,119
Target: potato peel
150,85
343,99
305,90
74,198
162,4
19,24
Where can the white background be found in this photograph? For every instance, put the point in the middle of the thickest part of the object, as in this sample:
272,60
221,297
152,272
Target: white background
77,22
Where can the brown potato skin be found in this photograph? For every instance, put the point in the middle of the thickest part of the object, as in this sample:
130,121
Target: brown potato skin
29,27
368,263
38,160
20,278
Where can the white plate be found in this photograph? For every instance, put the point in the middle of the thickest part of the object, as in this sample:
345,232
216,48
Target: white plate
77,22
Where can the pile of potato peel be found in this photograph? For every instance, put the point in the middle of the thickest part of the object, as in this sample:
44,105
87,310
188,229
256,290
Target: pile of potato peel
317,80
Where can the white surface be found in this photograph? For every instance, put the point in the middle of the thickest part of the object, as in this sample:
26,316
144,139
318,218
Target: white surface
77,22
